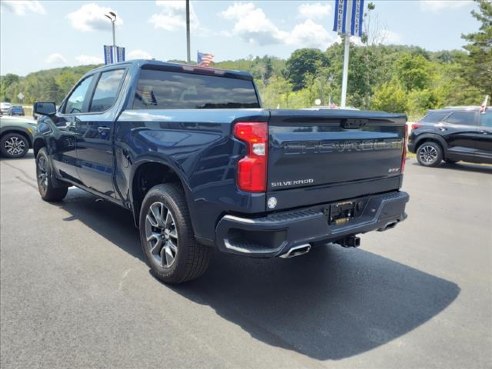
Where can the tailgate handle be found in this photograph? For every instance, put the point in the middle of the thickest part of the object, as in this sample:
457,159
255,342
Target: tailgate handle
353,123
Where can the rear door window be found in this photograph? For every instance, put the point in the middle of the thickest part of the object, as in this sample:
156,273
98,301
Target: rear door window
157,89
435,116
106,90
465,118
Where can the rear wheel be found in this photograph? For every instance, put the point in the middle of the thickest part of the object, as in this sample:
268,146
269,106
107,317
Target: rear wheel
14,145
429,154
166,235
48,190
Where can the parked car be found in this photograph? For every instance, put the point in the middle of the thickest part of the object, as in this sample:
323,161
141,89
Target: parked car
16,136
200,164
452,134
5,107
16,110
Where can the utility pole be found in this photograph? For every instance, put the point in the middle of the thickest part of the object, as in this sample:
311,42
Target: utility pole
188,30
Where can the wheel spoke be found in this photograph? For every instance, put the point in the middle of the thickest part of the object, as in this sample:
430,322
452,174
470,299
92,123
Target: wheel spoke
156,210
157,246
169,219
173,234
169,255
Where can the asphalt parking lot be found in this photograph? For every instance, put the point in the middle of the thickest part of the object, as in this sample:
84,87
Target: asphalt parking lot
75,292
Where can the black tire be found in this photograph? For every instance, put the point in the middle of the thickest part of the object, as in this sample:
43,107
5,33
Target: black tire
167,239
48,190
429,154
14,145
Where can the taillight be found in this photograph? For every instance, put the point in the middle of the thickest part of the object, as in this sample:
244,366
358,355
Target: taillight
416,125
404,154
252,169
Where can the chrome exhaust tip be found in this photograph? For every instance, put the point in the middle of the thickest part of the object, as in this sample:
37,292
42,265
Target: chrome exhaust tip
297,251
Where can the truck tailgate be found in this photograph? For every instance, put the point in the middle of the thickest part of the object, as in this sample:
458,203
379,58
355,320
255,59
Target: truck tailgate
326,149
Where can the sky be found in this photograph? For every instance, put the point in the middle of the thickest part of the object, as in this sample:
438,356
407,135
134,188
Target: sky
37,35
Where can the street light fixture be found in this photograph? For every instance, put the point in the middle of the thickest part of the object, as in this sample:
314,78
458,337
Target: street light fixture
112,17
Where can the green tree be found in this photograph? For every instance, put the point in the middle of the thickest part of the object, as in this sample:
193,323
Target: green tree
478,66
303,62
5,82
390,97
413,71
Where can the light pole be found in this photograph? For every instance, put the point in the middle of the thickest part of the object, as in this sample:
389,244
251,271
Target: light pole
188,31
112,17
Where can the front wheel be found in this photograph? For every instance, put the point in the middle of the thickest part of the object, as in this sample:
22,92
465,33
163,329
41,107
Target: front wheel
166,236
46,186
429,154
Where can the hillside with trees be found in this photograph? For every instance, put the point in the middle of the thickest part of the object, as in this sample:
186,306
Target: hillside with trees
392,78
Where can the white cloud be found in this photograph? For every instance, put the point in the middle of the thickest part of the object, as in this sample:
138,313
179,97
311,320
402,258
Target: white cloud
314,11
389,37
55,58
90,17
138,54
252,24
23,7
172,16
311,34
89,59
439,5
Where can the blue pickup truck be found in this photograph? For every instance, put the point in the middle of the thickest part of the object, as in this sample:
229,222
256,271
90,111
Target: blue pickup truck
191,153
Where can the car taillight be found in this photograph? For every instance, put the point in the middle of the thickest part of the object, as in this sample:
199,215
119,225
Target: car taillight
404,154
252,169
416,125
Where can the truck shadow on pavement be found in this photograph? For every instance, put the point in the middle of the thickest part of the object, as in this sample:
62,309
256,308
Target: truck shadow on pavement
330,304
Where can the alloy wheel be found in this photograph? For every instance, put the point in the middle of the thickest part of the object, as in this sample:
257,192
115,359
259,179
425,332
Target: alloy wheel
42,172
15,146
428,154
161,234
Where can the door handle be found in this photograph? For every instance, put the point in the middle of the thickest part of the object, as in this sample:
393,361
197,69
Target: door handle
103,129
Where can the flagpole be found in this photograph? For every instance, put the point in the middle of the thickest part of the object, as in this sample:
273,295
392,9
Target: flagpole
345,70
188,30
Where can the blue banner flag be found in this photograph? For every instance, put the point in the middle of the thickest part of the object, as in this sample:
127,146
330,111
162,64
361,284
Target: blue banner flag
357,16
120,54
340,16
108,54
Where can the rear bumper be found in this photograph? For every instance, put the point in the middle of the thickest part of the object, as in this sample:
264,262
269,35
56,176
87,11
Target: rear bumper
275,234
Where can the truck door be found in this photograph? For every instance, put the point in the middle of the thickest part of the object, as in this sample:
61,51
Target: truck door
65,137
95,132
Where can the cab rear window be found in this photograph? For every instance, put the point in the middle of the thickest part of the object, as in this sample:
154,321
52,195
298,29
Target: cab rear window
157,89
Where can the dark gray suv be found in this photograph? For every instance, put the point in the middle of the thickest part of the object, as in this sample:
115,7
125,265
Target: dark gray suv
453,134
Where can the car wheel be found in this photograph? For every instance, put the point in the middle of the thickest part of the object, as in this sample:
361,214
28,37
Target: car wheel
166,235
14,145
46,186
429,154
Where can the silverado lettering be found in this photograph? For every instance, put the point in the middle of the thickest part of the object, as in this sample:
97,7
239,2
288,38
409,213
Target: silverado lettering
296,148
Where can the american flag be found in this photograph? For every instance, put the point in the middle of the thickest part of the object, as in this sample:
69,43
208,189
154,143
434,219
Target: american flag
204,59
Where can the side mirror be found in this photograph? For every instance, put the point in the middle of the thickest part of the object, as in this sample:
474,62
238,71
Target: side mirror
44,108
